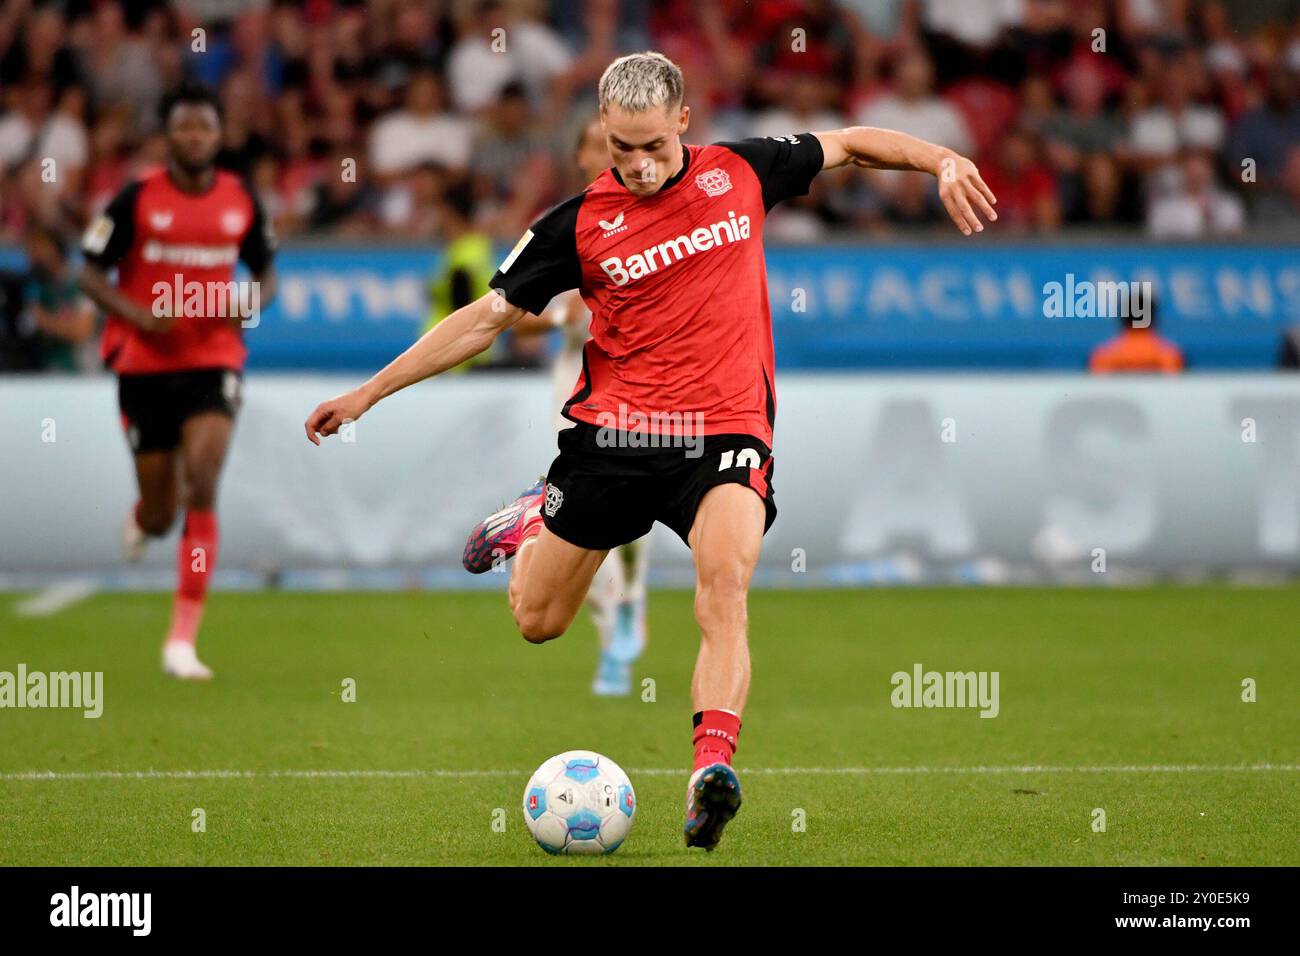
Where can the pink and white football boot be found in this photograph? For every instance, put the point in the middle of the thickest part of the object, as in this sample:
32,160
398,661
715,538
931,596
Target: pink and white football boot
498,536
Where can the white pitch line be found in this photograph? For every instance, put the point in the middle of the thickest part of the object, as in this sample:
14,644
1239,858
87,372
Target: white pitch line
55,598
51,775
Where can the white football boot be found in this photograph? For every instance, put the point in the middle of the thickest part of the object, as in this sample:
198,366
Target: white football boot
180,660
134,541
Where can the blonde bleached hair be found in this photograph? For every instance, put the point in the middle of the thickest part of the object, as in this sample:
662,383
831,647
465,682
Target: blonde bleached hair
641,81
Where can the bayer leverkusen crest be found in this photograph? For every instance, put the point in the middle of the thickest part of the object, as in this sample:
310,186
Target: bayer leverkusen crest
715,182
233,222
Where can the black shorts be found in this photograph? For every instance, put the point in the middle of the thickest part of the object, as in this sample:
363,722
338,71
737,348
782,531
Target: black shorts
600,497
154,406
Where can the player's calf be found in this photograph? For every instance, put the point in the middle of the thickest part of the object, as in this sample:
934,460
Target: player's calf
722,669
721,607
154,512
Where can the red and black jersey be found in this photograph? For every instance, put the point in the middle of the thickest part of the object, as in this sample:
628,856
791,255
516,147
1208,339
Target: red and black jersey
153,232
681,330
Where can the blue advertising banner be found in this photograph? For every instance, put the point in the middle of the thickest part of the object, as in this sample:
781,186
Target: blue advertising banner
344,308
963,306
897,307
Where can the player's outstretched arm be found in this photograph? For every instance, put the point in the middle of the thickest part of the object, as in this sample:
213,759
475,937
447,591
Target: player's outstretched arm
460,336
963,192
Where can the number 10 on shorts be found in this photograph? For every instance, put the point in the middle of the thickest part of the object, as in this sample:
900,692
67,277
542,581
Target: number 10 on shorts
745,458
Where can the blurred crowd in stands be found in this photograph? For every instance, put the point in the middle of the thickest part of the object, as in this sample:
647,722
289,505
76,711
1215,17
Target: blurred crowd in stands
443,120
1178,117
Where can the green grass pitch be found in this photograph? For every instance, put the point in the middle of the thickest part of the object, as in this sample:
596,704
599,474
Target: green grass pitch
1097,687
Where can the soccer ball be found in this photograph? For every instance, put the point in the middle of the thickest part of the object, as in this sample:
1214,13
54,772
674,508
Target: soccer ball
579,802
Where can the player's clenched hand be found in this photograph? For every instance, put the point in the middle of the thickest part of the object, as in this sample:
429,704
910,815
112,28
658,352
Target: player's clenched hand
965,195
330,415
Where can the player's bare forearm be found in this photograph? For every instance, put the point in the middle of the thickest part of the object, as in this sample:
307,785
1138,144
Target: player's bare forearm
103,293
74,324
95,284
964,194
460,336
875,148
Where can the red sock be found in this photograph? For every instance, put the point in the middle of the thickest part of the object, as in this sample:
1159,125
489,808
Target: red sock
715,737
195,560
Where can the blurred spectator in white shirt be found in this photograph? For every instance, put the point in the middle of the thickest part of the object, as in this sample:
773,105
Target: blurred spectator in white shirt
912,107
1198,208
419,133
63,136
28,106
885,21
1158,134
484,61
976,23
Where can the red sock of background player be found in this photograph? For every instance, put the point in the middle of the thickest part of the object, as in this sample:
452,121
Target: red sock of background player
195,560
715,737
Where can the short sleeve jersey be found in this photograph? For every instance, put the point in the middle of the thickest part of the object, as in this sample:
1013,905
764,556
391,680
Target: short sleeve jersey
181,248
676,284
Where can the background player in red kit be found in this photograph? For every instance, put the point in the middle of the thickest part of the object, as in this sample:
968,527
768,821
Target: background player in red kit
675,404
174,336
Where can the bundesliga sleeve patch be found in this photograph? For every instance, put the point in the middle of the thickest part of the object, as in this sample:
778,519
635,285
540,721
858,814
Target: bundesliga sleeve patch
514,253
95,239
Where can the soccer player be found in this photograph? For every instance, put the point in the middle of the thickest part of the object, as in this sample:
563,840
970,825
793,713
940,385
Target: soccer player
617,596
174,336
674,406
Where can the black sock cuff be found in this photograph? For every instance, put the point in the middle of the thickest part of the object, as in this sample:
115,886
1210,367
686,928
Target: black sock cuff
699,719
